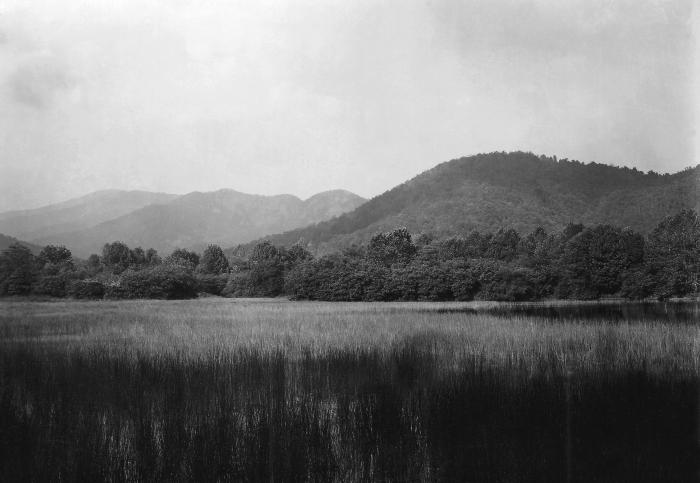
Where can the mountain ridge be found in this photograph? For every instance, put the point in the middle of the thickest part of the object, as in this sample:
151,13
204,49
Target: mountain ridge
77,213
195,219
519,190
482,192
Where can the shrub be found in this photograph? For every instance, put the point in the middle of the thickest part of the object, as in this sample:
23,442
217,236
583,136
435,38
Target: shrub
510,285
161,282
53,285
213,261
239,285
17,270
211,284
87,289
182,258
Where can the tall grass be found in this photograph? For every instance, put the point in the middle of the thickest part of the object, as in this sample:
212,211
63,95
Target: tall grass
222,390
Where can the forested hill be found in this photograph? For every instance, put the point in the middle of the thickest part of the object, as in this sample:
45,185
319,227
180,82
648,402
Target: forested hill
6,241
518,190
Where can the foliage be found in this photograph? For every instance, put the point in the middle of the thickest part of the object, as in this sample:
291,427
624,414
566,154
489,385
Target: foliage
152,257
674,254
213,261
510,285
52,285
211,283
182,258
594,261
116,256
55,255
18,270
577,262
238,285
87,289
161,282
394,247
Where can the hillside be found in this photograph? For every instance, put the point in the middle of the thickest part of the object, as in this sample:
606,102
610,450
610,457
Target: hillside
6,241
194,220
518,190
77,214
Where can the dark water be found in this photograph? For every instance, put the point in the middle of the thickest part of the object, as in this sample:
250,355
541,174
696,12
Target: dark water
673,312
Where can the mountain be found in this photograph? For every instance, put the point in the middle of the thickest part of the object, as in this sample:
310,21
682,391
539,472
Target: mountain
77,214
6,241
225,217
517,190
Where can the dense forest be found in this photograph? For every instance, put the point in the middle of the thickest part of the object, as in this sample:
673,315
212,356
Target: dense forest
577,262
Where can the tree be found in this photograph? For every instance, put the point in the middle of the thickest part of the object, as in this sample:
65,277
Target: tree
296,254
594,262
152,257
266,277
86,289
17,270
55,255
390,248
213,261
503,245
94,260
674,253
510,285
183,258
161,282
94,264
264,252
116,256
138,257
55,271
530,245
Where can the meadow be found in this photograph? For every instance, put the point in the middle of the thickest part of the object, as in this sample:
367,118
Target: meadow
247,390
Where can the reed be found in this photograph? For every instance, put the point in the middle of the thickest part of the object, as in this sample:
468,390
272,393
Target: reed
215,389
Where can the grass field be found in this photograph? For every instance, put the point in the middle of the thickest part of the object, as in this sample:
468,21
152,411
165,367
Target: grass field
230,390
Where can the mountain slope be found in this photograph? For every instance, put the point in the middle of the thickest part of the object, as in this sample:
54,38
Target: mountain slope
77,213
518,190
224,217
6,241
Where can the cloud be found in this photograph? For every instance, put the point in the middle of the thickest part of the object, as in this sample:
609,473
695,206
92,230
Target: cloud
36,81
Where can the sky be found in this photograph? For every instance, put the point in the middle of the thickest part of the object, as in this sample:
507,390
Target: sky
305,96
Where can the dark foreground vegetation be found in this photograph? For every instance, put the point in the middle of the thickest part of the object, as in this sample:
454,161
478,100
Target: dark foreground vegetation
216,390
576,263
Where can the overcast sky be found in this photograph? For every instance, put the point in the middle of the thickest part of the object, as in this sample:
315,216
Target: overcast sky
300,97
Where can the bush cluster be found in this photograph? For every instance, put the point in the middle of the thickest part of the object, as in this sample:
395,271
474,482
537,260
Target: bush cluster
120,273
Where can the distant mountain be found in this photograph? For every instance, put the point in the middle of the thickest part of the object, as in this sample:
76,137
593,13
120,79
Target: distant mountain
519,190
77,214
225,217
6,241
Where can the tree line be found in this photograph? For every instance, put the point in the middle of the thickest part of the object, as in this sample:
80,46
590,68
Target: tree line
577,262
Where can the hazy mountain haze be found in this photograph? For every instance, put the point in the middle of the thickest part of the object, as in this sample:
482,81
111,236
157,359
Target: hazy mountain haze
166,222
77,213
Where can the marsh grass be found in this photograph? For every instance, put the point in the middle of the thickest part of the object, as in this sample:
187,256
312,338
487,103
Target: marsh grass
221,390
